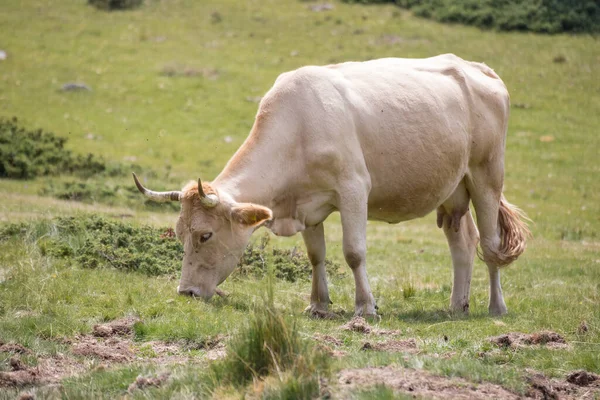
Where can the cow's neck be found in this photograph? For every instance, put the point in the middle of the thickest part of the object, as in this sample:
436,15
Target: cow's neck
259,174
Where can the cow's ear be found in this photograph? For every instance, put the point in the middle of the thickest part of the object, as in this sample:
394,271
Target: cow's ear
250,214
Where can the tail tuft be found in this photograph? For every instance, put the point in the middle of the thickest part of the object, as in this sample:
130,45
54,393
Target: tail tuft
514,231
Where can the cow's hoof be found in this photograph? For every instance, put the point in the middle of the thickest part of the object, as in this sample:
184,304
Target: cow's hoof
498,310
319,311
460,309
373,318
368,313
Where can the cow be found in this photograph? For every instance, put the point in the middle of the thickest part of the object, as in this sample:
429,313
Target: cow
389,140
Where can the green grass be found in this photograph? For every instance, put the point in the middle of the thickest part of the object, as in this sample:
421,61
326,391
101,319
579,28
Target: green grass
137,114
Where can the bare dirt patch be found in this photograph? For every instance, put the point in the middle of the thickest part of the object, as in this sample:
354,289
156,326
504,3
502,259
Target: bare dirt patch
577,386
357,324
13,348
582,378
393,346
119,327
516,340
360,325
329,344
111,343
142,382
112,349
418,383
48,370
327,339
214,346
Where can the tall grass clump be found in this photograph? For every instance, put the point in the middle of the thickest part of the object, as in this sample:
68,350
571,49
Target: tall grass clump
270,346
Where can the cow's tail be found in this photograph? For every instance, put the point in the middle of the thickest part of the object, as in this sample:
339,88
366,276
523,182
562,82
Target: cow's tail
514,232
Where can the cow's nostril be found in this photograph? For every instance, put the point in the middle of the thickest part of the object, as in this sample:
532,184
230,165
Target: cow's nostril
186,292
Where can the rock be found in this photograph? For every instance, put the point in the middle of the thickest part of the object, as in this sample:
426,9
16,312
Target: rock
321,7
75,87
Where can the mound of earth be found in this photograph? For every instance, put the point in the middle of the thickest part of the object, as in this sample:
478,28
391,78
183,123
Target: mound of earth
113,350
13,348
360,325
327,339
582,378
142,382
393,346
328,344
48,370
418,383
542,387
515,340
119,327
111,343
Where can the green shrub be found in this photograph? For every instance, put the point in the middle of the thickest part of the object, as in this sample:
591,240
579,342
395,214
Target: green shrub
26,154
94,242
291,265
543,16
111,5
102,190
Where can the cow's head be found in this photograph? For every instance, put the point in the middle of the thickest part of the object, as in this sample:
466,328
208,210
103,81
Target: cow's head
214,231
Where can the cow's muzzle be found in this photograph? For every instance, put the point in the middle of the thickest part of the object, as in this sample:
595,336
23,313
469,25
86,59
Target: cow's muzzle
194,292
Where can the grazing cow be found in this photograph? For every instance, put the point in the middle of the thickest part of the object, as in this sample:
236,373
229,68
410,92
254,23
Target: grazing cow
388,140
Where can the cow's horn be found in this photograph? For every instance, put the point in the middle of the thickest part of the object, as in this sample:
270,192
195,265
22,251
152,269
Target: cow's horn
210,200
156,196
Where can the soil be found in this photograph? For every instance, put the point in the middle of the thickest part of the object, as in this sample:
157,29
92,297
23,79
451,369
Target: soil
142,382
48,370
111,343
113,349
13,348
418,383
516,340
393,346
542,387
328,344
119,327
360,325
357,324
582,378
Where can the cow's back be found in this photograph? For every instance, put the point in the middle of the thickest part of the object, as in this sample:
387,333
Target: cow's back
410,126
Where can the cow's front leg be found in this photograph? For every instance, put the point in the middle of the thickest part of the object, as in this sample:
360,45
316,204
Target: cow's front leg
314,239
354,228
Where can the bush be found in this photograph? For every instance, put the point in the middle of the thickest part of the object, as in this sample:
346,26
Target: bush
94,242
542,16
111,5
291,265
26,154
103,190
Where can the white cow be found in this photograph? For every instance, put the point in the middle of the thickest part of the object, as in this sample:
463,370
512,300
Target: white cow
387,140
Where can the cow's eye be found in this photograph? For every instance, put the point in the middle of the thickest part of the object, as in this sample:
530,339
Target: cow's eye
205,237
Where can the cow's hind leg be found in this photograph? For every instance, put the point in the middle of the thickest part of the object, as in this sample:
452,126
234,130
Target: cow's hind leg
462,236
501,226
314,239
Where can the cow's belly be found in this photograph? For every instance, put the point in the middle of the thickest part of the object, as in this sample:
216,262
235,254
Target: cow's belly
393,205
411,184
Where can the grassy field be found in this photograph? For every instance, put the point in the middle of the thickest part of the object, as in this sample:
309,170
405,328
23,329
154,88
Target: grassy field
174,87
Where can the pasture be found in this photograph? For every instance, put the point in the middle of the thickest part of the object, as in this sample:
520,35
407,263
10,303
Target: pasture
174,91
